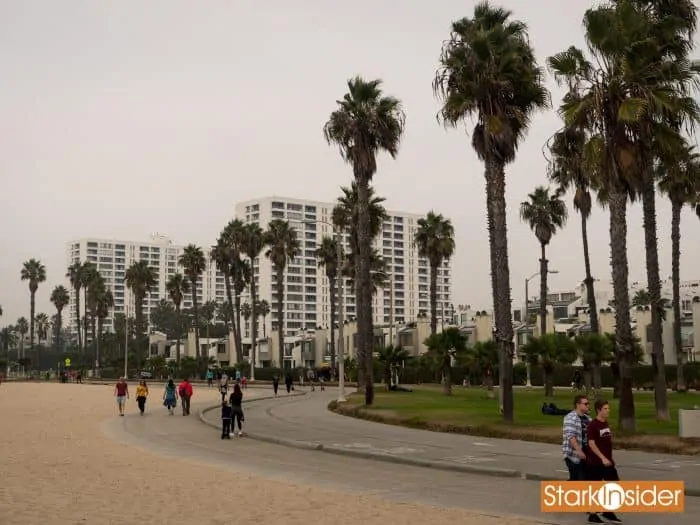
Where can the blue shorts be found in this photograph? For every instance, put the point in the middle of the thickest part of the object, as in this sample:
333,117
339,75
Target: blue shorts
121,400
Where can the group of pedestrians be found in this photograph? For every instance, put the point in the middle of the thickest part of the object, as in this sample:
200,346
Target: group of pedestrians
171,395
588,449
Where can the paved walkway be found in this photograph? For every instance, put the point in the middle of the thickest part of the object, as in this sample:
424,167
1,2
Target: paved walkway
187,437
305,422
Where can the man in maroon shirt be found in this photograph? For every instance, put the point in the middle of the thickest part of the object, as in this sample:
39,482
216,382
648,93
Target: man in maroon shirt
121,391
600,465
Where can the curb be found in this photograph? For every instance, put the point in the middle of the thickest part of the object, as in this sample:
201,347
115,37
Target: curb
693,492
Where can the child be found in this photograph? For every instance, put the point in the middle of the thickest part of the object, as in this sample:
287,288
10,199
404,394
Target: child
226,413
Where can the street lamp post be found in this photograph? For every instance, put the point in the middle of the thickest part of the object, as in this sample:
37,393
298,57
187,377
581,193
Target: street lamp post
340,347
528,383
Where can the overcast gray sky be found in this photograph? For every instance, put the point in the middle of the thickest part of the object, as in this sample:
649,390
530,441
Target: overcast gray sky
119,119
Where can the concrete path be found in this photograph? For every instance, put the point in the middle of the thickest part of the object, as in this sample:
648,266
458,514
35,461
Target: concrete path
305,422
187,437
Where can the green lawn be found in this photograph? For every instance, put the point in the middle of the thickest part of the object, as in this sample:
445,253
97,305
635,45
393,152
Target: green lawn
471,407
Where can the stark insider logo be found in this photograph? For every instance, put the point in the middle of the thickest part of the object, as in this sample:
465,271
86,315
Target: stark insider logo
642,496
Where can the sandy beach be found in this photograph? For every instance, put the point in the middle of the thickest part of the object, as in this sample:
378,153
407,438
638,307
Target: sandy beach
59,468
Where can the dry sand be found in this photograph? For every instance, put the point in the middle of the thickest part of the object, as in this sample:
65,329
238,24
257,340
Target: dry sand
58,468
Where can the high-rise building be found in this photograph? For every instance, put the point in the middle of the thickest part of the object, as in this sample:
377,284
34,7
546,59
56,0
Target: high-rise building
112,258
306,295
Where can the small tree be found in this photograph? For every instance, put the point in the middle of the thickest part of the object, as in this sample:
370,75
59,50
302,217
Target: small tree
594,350
446,347
391,357
547,351
480,359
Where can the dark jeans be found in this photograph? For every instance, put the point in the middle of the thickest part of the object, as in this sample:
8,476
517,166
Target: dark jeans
185,405
225,427
141,401
602,473
577,471
237,418
275,386
289,387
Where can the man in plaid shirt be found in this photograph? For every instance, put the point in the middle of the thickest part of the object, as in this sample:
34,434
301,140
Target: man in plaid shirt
574,439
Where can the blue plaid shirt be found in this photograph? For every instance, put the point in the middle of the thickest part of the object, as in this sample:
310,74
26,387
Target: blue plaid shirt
574,426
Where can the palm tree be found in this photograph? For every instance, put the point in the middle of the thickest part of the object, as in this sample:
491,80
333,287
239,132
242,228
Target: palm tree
435,239
141,279
544,213
22,329
680,181
481,358
95,290
569,169
240,276
327,255
391,357
224,313
177,287
34,272
641,298
7,339
104,302
246,311
549,350
365,123
194,264
283,246
73,275
252,244
88,273
446,347
264,310
488,70
60,299
594,349
42,327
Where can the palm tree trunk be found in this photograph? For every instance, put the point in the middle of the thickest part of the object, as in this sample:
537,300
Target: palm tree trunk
280,313
93,329
32,307
333,294
623,330
364,301
433,296
195,310
543,291
97,344
77,319
500,280
654,287
179,332
676,283
229,297
139,332
239,340
590,291
548,382
254,320
447,377
59,327
85,324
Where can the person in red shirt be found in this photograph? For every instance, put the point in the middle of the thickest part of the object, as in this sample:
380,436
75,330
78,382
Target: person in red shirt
185,391
600,465
121,391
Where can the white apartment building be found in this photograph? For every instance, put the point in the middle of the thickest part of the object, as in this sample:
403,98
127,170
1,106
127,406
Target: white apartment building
306,299
113,257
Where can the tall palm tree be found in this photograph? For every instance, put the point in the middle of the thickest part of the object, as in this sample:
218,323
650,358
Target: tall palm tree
263,310
252,243
283,245
95,291
88,273
365,123
569,169
73,275
222,255
680,181
194,263
35,273
104,302
246,311
435,239
42,326
60,299
22,329
177,287
544,213
327,255
240,277
141,279
489,71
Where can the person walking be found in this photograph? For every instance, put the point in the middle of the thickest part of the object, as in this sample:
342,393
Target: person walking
236,401
288,382
121,392
600,465
210,377
226,414
275,383
141,395
223,387
170,397
185,391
